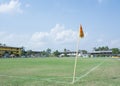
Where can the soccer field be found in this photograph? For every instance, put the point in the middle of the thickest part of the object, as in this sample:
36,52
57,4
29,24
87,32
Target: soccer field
59,72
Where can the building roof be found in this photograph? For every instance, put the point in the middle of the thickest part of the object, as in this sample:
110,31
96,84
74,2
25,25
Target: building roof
109,51
9,46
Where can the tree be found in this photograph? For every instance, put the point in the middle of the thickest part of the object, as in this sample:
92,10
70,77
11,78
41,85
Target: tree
48,52
43,53
115,51
29,52
102,48
65,52
106,48
84,51
95,49
23,51
56,53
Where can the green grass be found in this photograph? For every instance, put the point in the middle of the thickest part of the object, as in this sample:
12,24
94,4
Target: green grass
59,72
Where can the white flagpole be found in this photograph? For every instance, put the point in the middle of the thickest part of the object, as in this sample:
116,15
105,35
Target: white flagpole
74,72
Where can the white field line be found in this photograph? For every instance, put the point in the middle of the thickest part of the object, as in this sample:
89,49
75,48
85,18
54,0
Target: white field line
54,79
58,82
12,76
43,79
78,78
88,72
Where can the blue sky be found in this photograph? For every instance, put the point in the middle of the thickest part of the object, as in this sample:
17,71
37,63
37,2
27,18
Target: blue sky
42,24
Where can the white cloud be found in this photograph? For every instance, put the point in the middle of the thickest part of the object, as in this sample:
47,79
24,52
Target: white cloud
60,34
13,39
57,37
39,36
14,6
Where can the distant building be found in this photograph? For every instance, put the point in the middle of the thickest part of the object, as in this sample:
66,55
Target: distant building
35,54
8,51
89,54
101,53
70,53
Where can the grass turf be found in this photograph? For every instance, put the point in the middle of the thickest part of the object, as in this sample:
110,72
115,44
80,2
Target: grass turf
58,72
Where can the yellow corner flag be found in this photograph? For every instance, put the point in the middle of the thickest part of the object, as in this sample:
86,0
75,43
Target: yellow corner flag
81,33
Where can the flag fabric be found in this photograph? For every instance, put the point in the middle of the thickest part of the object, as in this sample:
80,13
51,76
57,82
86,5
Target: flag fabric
81,33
